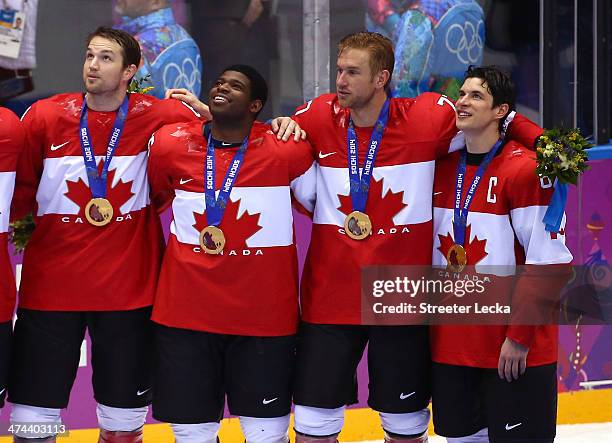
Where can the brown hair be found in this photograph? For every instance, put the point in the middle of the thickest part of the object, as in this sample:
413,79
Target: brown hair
129,46
379,47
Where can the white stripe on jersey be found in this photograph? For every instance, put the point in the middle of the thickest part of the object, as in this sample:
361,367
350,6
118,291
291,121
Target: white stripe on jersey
304,188
497,231
56,171
301,111
541,247
7,186
414,179
458,142
273,203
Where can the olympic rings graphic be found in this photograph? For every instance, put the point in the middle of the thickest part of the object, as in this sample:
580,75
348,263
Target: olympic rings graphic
185,76
465,42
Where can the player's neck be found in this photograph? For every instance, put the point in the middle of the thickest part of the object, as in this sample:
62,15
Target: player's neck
230,132
481,142
366,115
105,102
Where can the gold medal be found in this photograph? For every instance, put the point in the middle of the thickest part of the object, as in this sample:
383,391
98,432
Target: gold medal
99,212
212,240
456,258
357,225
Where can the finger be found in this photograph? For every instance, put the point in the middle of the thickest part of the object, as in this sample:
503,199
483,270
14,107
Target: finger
303,134
179,96
172,91
274,125
508,370
523,366
283,127
500,367
515,369
296,130
289,130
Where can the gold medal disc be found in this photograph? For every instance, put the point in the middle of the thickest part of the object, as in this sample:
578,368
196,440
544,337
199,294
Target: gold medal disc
99,212
212,240
456,258
357,225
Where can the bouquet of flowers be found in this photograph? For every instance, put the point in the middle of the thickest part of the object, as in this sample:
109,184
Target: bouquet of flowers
561,154
20,232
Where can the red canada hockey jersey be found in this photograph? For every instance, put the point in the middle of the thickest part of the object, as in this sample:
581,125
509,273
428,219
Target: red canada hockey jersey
419,131
11,144
504,229
399,201
252,288
70,265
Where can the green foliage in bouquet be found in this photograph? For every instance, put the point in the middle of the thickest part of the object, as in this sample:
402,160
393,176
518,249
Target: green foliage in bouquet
20,232
561,154
137,85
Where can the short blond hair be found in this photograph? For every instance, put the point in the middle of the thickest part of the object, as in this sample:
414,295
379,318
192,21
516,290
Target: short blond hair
379,47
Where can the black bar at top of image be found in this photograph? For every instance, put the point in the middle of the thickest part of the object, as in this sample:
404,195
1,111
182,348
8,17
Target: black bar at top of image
602,70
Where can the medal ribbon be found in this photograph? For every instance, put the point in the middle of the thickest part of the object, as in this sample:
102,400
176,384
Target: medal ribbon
360,185
97,183
215,207
461,213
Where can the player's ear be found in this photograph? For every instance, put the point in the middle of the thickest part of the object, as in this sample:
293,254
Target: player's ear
502,110
382,78
255,106
130,71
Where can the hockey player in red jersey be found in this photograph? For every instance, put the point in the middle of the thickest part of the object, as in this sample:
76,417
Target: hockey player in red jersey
93,259
494,383
227,301
11,144
381,216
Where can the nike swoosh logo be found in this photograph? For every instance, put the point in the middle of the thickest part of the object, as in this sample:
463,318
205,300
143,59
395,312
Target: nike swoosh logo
1,392
509,428
321,155
436,193
139,393
405,396
183,181
56,147
267,402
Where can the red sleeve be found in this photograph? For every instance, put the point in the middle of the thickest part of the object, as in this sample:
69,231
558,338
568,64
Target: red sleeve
30,164
523,131
314,114
536,300
158,171
11,140
536,296
301,158
176,111
302,175
440,111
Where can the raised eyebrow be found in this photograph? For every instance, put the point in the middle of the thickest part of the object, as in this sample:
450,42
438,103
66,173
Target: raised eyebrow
237,82
103,51
230,81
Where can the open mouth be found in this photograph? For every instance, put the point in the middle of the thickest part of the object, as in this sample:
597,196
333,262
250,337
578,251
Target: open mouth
220,99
